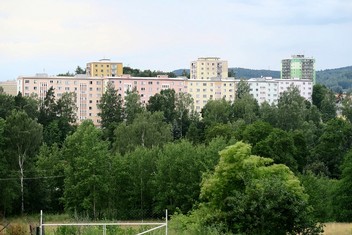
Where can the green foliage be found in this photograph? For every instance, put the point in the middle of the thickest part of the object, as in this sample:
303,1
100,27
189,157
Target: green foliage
146,73
110,106
243,89
164,102
57,117
132,106
336,79
182,187
321,192
347,107
256,132
343,195
147,130
219,130
87,156
245,108
50,165
216,111
332,145
291,110
278,145
248,194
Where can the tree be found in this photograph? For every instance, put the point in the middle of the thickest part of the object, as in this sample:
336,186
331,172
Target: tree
110,106
165,101
292,110
216,111
328,106
50,166
24,135
183,107
249,194
87,170
79,70
343,195
177,177
243,88
147,130
8,187
132,106
57,117
347,107
268,113
47,110
256,132
319,92
321,195
219,130
7,104
245,108
279,146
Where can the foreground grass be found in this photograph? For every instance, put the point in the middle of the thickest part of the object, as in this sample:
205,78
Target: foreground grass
20,225
338,228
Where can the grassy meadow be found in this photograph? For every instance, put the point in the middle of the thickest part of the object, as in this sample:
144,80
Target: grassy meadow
21,225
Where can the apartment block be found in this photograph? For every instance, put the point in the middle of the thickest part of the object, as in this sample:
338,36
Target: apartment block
9,87
206,68
104,68
89,90
269,89
298,67
211,89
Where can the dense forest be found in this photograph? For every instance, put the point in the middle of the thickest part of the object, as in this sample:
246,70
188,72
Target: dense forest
235,168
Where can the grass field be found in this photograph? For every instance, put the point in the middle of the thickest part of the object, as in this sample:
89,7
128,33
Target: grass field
20,226
338,229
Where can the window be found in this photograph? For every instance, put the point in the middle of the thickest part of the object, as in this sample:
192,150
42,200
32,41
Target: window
90,82
150,83
26,81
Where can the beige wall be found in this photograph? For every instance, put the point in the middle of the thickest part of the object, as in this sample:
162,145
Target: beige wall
204,90
9,87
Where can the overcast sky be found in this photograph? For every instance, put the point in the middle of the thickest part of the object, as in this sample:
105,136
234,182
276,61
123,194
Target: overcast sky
56,36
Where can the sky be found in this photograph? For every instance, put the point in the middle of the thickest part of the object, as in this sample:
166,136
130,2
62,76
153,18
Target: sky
56,36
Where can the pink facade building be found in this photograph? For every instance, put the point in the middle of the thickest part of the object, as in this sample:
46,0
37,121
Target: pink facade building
89,90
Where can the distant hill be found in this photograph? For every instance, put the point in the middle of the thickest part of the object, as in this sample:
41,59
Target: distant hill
339,79
241,73
253,73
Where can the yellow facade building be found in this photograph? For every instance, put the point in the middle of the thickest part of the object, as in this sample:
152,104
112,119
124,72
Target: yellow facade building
208,67
104,68
211,89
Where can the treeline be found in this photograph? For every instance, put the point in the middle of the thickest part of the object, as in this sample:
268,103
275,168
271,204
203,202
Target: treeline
146,73
165,156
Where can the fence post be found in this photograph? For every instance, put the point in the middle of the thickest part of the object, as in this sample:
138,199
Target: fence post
166,222
41,223
104,229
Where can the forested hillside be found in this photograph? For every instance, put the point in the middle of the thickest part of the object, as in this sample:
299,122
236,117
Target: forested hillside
259,167
338,80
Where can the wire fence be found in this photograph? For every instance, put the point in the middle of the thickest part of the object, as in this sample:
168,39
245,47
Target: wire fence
104,227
